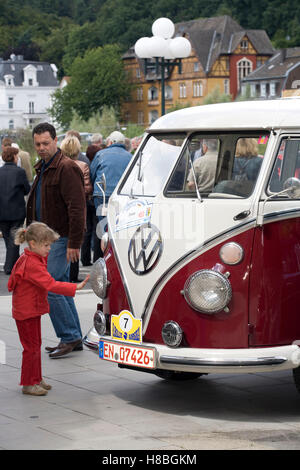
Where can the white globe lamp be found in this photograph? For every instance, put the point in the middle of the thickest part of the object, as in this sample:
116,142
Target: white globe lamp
157,46
180,47
163,27
141,48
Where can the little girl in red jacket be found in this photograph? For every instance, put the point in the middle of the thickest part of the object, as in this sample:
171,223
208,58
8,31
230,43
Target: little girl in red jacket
30,283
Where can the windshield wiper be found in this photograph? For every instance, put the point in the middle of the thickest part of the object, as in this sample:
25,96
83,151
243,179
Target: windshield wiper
139,175
139,163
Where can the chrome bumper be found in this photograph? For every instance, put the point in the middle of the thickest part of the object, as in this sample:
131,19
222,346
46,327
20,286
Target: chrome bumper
216,360
91,340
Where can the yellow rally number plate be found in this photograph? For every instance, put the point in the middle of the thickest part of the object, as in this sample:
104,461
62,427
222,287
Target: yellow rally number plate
124,327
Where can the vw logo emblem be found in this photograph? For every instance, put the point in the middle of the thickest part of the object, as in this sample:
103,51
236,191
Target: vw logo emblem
145,249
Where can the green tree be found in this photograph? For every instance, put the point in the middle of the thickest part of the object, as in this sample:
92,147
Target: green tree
52,49
61,109
215,96
80,39
98,80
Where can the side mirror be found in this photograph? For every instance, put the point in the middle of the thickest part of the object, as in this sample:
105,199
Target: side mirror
291,188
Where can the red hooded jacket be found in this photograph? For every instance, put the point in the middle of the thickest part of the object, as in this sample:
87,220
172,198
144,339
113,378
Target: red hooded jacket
30,283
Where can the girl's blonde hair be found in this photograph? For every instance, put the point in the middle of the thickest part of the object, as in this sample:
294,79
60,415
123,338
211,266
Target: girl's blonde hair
36,231
71,146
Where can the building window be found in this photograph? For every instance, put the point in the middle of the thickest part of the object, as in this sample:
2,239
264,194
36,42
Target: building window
197,89
139,94
153,93
182,90
196,66
9,80
244,67
253,90
263,90
10,102
273,89
153,115
31,107
138,73
168,92
11,124
140,118
244,45
30,81
226,86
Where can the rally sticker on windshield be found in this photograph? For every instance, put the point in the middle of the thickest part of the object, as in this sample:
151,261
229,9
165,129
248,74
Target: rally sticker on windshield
135,213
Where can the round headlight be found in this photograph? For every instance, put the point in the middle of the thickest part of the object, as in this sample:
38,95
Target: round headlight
172,334
207,291
100,322
98,278
231,253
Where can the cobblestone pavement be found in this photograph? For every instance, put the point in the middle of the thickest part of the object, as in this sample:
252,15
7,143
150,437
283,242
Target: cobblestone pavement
94,405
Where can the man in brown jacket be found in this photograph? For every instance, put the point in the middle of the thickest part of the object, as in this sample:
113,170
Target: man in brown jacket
57,198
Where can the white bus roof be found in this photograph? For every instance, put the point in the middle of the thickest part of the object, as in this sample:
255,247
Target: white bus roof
258,114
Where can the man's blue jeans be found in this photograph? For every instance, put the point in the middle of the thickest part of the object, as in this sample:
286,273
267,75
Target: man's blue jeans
63,312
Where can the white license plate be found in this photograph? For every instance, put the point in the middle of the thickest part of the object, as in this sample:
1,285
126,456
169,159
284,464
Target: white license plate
138,356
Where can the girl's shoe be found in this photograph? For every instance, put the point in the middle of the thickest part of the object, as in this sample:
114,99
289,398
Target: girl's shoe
44,385
36,390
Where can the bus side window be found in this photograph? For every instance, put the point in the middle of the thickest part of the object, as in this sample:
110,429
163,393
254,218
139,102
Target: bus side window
287,164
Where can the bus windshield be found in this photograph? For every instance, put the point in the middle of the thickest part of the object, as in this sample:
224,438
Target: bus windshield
152,165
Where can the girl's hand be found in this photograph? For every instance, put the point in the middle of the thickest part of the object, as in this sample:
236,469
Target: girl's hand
83,283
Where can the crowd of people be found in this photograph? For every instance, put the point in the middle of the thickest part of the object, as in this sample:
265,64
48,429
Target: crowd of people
56,214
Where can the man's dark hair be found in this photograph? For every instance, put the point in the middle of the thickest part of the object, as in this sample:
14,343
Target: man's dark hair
44,127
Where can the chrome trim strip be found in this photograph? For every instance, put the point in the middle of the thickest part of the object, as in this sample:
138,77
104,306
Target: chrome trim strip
210,243
188,361
280,215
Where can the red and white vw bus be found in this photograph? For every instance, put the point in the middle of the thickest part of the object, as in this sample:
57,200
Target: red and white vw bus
201,265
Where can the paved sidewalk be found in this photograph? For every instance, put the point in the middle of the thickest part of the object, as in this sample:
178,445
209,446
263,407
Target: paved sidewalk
95,405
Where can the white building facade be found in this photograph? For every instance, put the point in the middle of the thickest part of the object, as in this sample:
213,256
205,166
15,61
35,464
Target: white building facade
26,89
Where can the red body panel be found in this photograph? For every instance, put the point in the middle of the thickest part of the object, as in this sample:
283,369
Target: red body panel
116,300
222,330
275,284
265,293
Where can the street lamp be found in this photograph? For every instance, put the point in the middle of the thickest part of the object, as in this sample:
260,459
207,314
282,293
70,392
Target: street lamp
166,51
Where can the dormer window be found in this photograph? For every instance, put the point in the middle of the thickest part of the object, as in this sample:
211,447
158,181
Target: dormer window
9,80
244,44
30,76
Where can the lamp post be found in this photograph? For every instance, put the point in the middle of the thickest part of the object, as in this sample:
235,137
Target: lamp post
166,51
